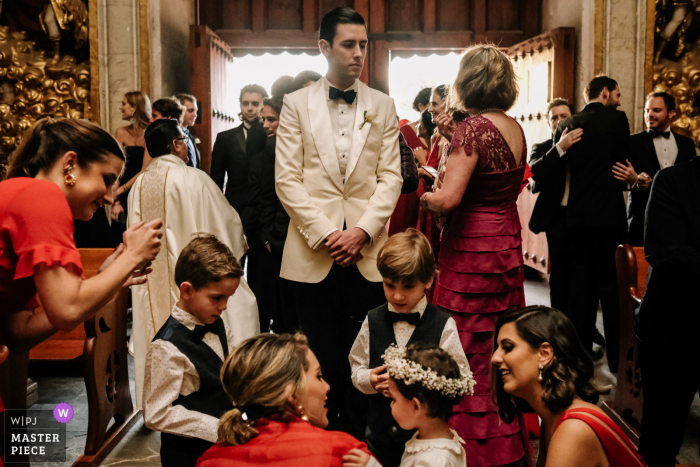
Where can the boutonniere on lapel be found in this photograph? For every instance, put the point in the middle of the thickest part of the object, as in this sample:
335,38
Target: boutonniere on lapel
370,115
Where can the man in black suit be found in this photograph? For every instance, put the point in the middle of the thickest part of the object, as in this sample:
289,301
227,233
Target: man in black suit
668,318
229,157
652,150
189,117
549,172
595,213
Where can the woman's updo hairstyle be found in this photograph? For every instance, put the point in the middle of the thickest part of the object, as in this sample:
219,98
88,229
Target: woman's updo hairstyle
48,139
438,360
568,374
260,376
486,80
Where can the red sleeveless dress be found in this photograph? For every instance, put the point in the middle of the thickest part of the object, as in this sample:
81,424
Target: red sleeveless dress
619,449
481,278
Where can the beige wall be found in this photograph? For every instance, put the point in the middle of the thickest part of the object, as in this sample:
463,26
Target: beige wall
579,14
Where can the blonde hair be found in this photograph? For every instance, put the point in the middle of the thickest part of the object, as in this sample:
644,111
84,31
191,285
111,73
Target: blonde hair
263,371
486,80
205,259
407,257
142,112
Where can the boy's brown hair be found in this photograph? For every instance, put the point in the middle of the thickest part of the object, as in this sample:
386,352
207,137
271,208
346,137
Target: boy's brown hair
205,260
407,257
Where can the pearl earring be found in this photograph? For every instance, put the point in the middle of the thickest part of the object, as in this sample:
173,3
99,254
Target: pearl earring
539,378
302,412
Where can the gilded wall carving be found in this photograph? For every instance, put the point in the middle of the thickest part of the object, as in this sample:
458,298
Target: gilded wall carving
676,67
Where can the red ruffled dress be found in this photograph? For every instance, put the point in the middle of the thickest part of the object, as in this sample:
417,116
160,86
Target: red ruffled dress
36,226
481,278
279,444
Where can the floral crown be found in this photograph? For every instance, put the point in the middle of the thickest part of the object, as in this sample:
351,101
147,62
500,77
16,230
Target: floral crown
399,367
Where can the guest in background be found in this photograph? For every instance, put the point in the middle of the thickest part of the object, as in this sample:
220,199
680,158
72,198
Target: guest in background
551,177
283,85
595,211
480,261
306,78
422,100
540,359
136,109
189,102
668,317
652,150
168,107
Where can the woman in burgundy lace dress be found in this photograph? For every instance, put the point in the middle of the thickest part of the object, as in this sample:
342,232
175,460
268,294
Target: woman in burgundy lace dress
481,263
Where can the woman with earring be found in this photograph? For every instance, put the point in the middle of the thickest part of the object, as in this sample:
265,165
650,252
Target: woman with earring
279,396
540,360
63,170
135,109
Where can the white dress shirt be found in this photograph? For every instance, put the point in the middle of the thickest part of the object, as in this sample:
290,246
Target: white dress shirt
666,150
170,374
359,354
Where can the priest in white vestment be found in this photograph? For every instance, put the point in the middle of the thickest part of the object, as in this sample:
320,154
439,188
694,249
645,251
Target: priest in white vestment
188,201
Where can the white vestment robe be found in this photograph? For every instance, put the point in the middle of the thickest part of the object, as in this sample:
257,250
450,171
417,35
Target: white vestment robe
188,201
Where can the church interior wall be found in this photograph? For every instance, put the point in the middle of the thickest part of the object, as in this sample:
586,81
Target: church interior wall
170,65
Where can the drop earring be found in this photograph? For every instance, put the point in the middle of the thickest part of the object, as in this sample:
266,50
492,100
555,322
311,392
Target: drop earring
302,412
539,378
69,179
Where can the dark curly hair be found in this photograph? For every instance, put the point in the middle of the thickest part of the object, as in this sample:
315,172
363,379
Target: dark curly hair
568,374
434,358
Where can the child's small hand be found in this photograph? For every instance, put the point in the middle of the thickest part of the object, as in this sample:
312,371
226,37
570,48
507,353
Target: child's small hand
356,458
379,382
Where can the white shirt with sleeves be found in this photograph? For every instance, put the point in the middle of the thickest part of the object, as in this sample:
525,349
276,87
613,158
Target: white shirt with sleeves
666,150
434,452
170,374
359,354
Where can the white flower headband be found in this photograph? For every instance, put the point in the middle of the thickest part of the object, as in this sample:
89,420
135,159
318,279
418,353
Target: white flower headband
410,372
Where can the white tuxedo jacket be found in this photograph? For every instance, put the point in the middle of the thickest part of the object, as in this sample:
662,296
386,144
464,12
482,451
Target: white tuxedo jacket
310,186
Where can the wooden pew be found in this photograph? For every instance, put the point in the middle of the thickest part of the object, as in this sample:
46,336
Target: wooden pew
626,408
102,343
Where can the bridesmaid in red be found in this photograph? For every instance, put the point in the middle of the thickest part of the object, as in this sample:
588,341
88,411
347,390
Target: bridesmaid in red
481,264
540,359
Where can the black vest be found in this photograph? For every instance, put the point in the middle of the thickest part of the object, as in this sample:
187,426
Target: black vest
385,438
210,399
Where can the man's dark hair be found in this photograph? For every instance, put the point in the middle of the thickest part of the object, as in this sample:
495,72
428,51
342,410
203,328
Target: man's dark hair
426,121
169,108
556,102
595,87
282,85
304,77
253,88
443,90
423,97
160,135
275,102
341,15
668,99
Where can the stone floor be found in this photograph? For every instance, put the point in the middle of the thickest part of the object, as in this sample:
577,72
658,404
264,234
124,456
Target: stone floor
140,446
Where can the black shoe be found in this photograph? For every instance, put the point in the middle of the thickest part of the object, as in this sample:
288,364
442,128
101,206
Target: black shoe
596,354
598,338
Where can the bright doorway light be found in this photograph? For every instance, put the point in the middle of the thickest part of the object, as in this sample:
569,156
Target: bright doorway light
407,76
265,69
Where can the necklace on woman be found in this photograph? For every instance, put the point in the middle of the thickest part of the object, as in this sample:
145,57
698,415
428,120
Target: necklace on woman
487,110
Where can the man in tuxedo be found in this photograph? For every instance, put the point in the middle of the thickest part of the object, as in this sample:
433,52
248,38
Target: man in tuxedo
229,157
338,176
668,318
189,117
551,178
652,150
595,210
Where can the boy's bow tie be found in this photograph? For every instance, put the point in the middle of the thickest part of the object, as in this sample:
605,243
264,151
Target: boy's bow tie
410,318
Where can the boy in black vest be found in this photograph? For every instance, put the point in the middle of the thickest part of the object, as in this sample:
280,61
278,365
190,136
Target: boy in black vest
407,266
183,396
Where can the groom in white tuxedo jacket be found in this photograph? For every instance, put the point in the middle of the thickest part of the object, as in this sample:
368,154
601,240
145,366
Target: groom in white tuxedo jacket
338,175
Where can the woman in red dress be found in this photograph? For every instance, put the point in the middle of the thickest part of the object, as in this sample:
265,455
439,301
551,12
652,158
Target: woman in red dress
540,360
63,170
279,397
481,264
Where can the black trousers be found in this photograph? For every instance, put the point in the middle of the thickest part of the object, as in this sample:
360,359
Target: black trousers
669,382
593,278
331,313
262,276
559,262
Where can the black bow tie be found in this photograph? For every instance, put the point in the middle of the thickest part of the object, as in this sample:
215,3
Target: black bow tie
217,327
347,96
410,318
663,134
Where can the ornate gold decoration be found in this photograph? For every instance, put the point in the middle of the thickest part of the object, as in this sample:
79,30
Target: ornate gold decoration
31,86
65,14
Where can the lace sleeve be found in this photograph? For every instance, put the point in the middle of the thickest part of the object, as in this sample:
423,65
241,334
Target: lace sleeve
465,137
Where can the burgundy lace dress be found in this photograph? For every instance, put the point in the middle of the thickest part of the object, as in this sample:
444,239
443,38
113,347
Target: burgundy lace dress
481,278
